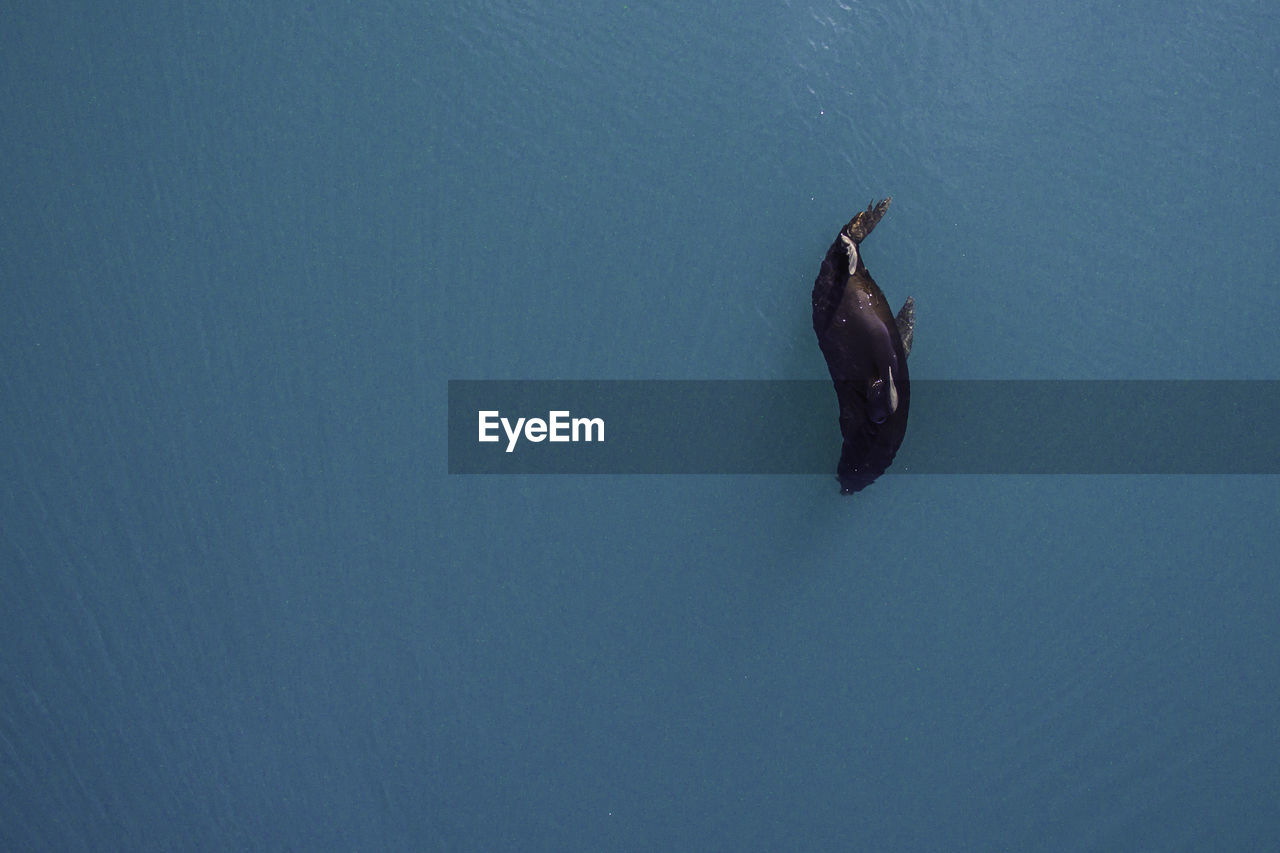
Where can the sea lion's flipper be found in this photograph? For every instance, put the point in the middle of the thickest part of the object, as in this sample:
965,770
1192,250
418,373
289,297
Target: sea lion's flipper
906,322
860,226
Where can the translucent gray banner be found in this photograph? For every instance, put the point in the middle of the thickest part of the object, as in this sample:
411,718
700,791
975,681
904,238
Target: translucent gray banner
790,427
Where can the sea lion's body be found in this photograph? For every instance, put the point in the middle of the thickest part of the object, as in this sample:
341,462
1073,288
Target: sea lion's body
866,350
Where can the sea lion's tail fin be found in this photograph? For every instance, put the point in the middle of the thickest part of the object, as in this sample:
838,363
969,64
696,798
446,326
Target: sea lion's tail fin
860,226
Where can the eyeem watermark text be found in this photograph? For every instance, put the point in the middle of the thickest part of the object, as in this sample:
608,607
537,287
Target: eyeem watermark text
558,426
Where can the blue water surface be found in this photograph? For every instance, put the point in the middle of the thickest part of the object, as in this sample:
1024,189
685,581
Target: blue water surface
243,605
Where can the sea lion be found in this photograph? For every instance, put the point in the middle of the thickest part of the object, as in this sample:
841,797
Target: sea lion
866,349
